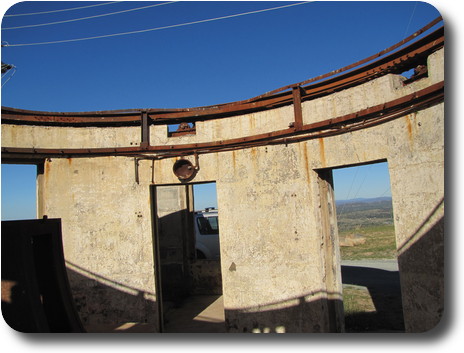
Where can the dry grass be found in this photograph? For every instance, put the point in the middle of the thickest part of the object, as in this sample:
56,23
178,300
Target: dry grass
367,311
380,243
357,300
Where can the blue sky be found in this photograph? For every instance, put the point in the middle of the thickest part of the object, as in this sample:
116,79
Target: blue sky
194,65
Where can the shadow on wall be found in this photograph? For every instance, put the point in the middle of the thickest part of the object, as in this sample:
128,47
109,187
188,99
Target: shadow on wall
102,301
105,308
316,316
108,306
301,315
105,305
421,274
421,264
419,300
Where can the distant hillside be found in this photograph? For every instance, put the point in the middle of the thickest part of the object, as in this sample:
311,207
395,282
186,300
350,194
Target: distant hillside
364,212
363,200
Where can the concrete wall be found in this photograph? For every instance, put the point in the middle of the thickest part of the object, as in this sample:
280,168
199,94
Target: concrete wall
279,242
107,236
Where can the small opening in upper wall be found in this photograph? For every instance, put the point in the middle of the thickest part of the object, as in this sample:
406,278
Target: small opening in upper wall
418,72
181,129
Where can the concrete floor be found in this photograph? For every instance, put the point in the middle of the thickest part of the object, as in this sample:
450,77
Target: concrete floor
198,314
128,327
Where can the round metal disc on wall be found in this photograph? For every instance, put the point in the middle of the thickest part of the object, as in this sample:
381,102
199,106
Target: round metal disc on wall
183,169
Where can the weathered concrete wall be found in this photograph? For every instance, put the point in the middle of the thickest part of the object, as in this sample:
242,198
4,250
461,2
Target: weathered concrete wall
107,236
279,243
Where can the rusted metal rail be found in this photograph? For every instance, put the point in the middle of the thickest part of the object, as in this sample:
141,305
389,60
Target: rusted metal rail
365,118
358,63
396,62
411,56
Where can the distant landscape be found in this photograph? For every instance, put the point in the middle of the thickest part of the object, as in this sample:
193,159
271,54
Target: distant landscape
356,213
366,232
369,220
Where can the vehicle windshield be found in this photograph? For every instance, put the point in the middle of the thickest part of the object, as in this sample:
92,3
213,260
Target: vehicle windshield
208,225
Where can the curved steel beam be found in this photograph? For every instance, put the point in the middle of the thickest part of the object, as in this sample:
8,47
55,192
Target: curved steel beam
364,118
396,62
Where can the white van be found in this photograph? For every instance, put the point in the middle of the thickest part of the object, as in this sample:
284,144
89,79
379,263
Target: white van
206,234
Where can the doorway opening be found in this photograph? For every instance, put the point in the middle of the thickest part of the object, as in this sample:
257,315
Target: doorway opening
187,253
19,191
363,220
369,266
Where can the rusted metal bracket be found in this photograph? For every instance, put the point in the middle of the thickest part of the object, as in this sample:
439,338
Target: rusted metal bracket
136,167
145,131
153,171
136,164
197,162
297,93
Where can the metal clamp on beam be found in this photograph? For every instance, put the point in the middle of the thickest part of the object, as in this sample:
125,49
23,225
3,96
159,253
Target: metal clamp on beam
136,165
297,92
145,131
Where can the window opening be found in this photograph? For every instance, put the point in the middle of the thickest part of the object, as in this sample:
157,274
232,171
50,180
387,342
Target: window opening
416,73
175,130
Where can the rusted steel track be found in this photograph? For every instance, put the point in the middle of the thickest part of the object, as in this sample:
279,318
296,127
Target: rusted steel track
396,62
405,58
356,64
362,119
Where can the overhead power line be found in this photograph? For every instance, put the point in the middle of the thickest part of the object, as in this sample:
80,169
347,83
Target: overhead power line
7,72
410,19
156,28
90,17
62,10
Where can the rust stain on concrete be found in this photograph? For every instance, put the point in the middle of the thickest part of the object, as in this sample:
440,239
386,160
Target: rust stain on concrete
47,168
234,163
254,157
252,122
322,152
304,146
409,127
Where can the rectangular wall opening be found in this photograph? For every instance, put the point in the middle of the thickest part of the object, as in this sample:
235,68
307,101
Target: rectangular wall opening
369,266
19,191
187,252
176,130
